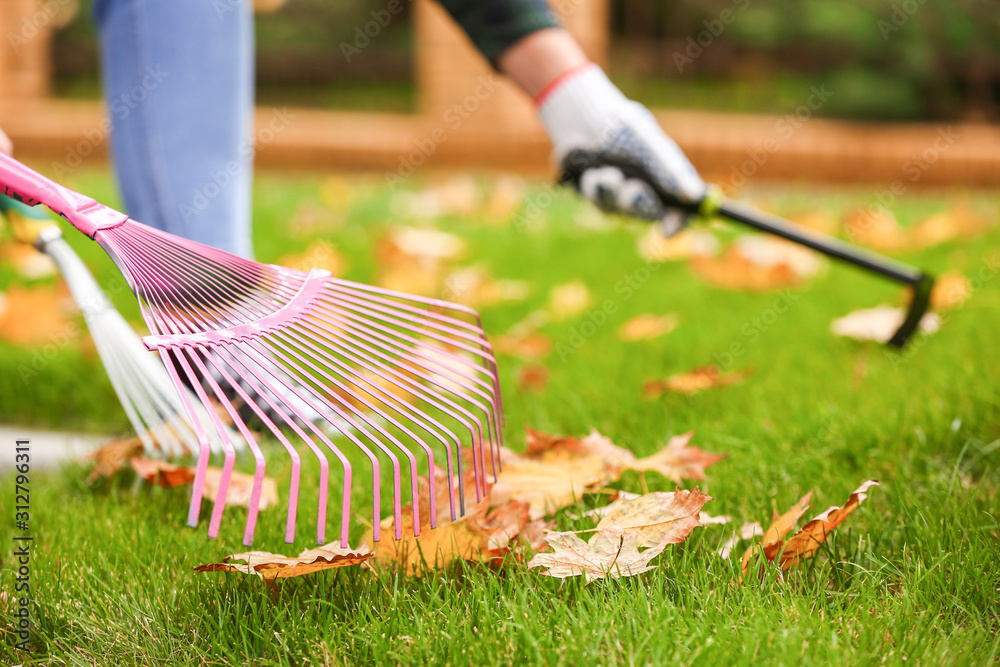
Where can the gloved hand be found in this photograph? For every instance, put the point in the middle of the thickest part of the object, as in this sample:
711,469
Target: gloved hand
613,151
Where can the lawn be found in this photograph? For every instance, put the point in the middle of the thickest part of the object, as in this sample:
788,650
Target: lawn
912,576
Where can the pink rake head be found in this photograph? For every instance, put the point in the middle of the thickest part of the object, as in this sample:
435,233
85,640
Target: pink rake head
322,363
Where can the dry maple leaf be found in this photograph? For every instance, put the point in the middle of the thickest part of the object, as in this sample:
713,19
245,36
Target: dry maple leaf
647,327
759,263
156,471
240,488
780,527
656,518
805,543
678,461
488,530
694,381
609,553
110,457
270,566
879,323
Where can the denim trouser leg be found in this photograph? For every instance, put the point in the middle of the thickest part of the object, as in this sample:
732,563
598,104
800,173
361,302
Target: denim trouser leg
178,81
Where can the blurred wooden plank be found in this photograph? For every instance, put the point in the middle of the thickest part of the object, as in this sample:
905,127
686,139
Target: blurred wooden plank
725,147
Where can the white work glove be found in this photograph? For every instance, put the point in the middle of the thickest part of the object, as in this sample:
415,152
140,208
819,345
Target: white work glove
614,153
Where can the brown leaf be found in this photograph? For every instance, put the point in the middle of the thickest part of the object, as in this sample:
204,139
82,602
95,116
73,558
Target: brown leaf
878,323
240,489
161,473
759,263
780,527
692,382
37,315
805,543
270,566
656,518
533,377
677,461
110,457
647,327
556,470
609,553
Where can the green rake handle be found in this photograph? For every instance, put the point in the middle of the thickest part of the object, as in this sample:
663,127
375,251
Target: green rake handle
714,204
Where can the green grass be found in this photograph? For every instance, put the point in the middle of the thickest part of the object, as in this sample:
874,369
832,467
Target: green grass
912,576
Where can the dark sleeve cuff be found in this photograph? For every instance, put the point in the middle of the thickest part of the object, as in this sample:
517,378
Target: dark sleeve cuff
496,25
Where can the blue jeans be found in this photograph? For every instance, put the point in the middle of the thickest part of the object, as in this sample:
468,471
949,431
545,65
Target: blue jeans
178,83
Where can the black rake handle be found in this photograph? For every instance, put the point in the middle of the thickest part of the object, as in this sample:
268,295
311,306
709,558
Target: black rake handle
713,203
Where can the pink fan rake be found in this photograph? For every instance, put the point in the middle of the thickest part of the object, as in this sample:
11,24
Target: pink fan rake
326,365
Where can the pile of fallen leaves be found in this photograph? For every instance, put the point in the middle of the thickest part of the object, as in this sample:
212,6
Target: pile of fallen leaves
512,518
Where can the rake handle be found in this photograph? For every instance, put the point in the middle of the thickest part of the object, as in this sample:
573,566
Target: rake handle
29,187
920,281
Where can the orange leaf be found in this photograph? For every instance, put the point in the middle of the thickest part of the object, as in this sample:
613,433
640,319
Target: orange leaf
699,379
875,229
533,378
677,461
758,263
270,566
805,543
161,473
110,457
37,315
780,527
647,327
